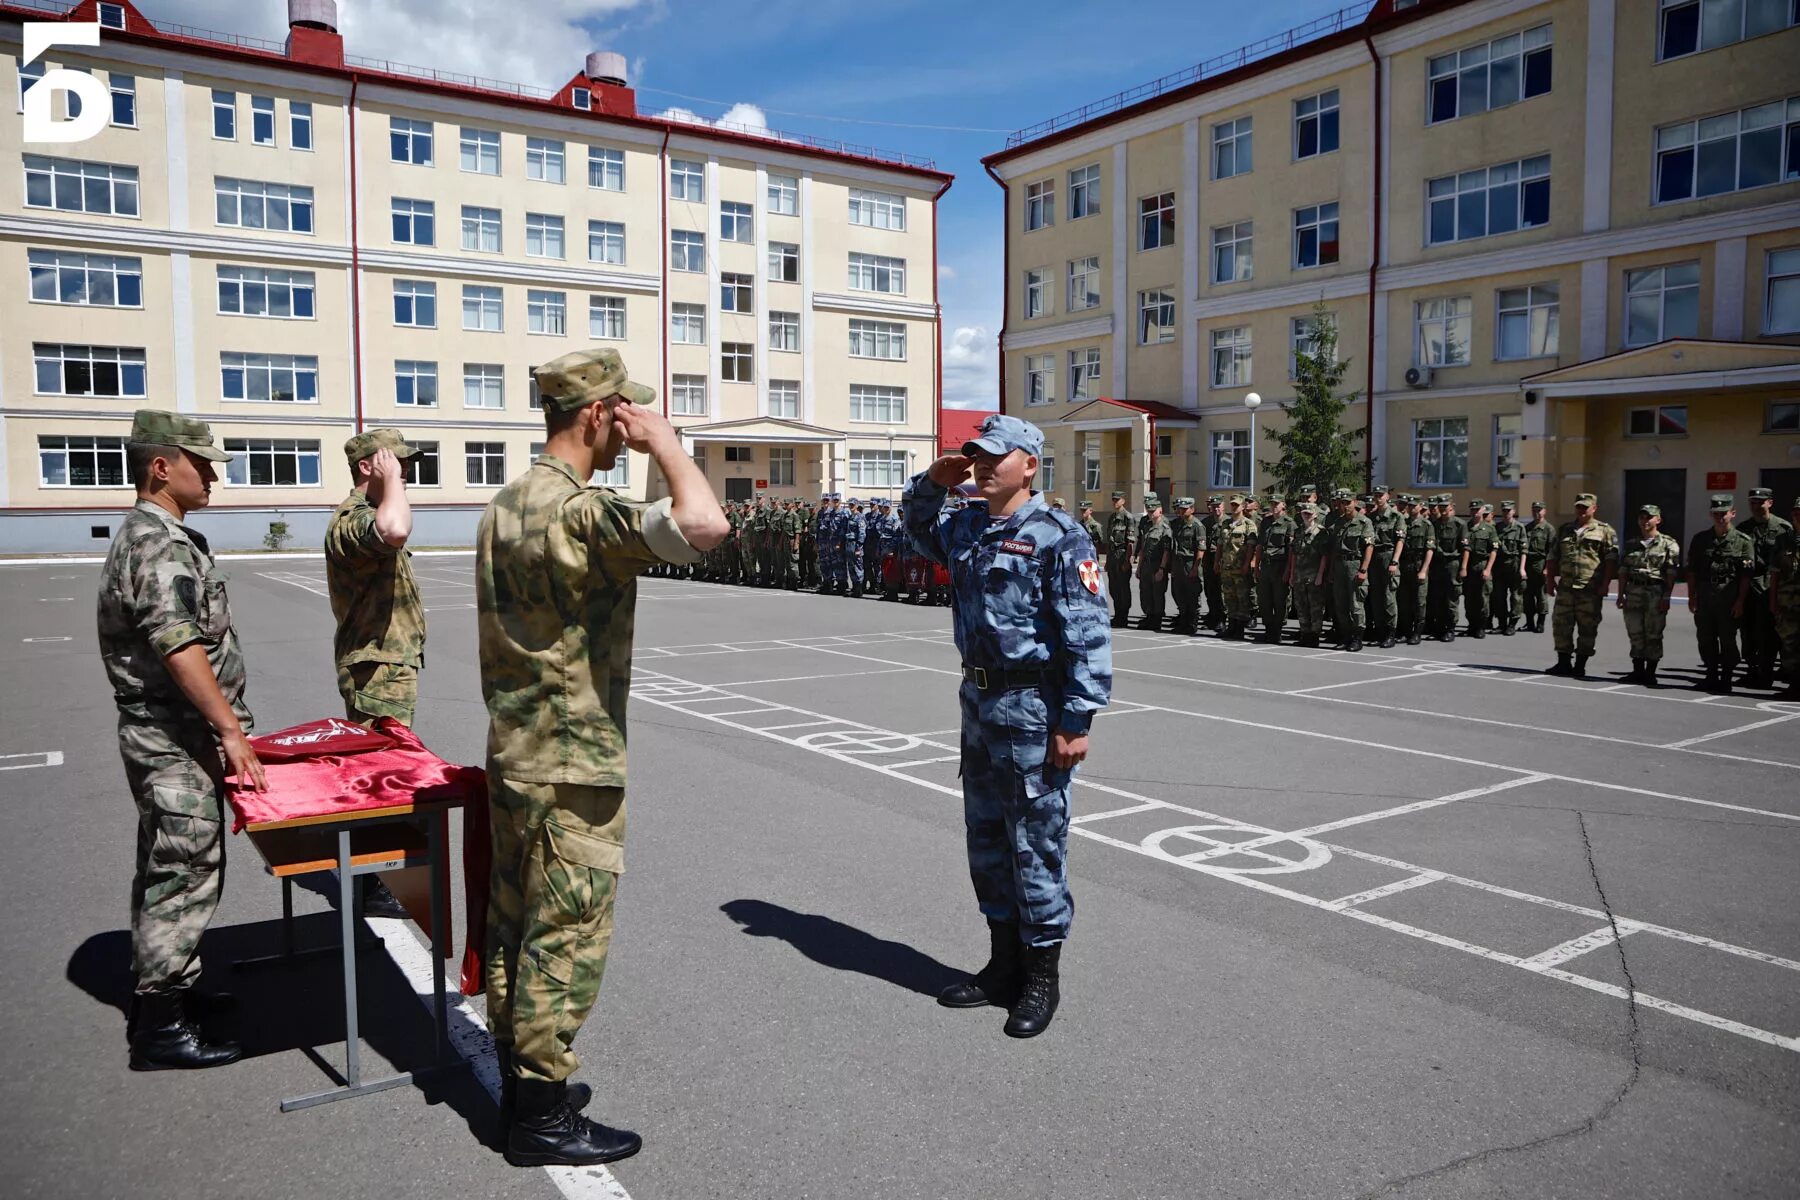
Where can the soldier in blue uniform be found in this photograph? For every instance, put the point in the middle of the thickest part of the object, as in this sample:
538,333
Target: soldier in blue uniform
1036,643
831,546
856,536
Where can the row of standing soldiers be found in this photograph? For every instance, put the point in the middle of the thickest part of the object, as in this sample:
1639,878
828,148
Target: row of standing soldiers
838,547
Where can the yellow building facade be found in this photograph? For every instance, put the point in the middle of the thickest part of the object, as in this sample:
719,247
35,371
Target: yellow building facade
1559,241
296,244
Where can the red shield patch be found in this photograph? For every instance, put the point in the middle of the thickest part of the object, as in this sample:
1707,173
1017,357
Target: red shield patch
1090,575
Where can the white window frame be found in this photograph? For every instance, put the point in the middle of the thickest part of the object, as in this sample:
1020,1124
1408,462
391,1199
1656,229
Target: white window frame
1233,140
484,464
874,405
606,169
1084,191
687,324
427,460
1156,221
1742,33
1322,111
784,403
480,147
111,16
482,382
1782,417
546,160
1317,219
582,98
1234,252
687,180
784,262
687,396
418,378
1472,68
1444,433
406,216
1505,453
877,468
1301,340
1046,472
1452,317
1090,463
306,461
1084,374
488,302
687,250
1222,465
1519,178
1781,268
300,125
1658,414
477,223
1233,357
1777,120
608,237
885,340
122,194
291,199
272,283
123,87
262,120
411,142
781,466
60,267
1040,204
299,371
737,362
868,272
606,318
1654,281
546,312
1084,274
128,365
1040,379
877,210
737,292
1156,312
784,331
545,236
783,195
1542,332
66,447
737,222
1039,292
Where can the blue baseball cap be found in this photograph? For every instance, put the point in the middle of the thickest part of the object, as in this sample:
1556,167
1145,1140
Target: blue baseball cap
1001,435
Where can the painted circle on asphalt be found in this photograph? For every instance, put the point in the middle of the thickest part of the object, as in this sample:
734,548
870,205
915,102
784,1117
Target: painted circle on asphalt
859,741
1312,854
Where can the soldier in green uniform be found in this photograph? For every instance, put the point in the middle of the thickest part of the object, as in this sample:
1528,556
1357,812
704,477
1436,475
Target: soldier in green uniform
1539,534
1234,550
1478,569
1648,566
1384,567
1352,546
1580,569
1784,597
1185,544
1509,554
1209,565
1306,575
1449,562
1269,567
1121,544
1761,647
171,654
1415,566
1097,534
1152,562
556,565
1720,572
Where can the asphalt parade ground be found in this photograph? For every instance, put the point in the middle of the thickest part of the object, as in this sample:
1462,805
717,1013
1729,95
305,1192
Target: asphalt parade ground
1420,922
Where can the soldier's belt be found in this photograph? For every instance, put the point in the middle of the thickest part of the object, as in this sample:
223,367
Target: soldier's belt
1005,681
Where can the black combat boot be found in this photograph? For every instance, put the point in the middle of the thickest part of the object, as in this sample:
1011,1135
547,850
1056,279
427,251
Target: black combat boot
1562,666
1355,645
547,1131
1581,662
577,1094
1511,627
1725,674
1413,638
998,982
1637,672
1477,631
377,901
166,1037
1387,641
1649,679
1038,994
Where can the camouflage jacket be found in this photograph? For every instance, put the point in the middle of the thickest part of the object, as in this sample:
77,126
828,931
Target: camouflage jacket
159,591
1154,541
1186,540
1483,541
1719,562
1121,534
1093,531
1308,551
1419,539
1582,552
1350,537
380,617
1650,562
1786,568
556,567
1389,528
1763,535
1449,537
1235,541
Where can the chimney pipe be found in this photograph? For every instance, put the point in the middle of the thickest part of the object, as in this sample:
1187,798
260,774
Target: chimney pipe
604,66
313,14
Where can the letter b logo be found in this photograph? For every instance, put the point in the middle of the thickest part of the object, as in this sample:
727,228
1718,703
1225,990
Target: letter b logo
96,101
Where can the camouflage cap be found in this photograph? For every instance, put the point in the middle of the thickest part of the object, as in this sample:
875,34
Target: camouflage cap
1237,498
1152,500
1340,494
1118,495
583,376
1721,502
370,440
1587,498
1056,502
154,427
1308,508
1649,510
1381,488
1184,502
1761,493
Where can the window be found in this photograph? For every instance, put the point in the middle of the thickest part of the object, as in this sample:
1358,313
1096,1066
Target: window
124,99
1445,329
878,339
1231,148
1728,153
606,317
1046,475
415,222
1662,420
781,467
877,468
1441,452
784,401
262,120
687,324
1781,294
1492,75
1084,191
481,308
485,463
877,273
544,159
1693,25
606,168
484,385
543,236
606,242
1303,333
735,293
687,181
1156,317
687,250
1037,292
1315,236
481,229
1090,463
582,98
1231,356
1228,464
224,115
1783,417
884,405
739,454
1316,124
546,312
81,462
409,141
1040,204
246,204
415,384
1084,283
1528,320
737,222
63,370
95,280
784,262
422,469
112,16
269,378
479,151
1156,221
618,477
1084,375
687,395
877,210
1508,429
1232,259
29,74
1489,200
1040,379
1662,303
264,292
71,101
300,125
70,185
784,331
272,462
784,195
737,362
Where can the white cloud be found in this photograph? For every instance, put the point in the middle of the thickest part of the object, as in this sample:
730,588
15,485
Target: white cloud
743,118
946,272
971,368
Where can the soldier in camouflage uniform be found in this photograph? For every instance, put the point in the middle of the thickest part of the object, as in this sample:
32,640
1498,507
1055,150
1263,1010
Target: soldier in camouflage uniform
1234,550
1269,568
1784,597
1185,544
1449,562
1209,566
1121,547
1152,562
171,654
1540,534
1761,648
1478,570
1384,567
1648,566
1509,554
1306,575
556,565
1087,523
1352,546
1721,564
1415,569
1582,562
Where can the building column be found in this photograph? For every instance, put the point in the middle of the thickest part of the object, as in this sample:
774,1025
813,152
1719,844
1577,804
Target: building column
1187,229
759,305
181,273
1597,165
714,325
1121,275
1730,264
1595,301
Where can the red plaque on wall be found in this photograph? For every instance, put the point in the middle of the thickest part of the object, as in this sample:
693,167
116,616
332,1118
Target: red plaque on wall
1721,481
763,483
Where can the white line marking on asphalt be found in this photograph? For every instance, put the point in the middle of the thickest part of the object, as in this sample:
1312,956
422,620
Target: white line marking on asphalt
926,762
1103,816
315,586
54,599
51,758
1359,682
1386,889
1555,956
810,678
798,725
224,556
65,577
29,641
1421,805
1723,733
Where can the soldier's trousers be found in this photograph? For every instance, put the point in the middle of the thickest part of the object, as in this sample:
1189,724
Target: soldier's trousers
1309,607
1535,606
853,562
1153,595
558,851
1118,582
178,781
1507,591
1576,619
1237,590
1409,592
1475,600
1644,622
378,689
1215,596
1272,597
1757,628
1787,628
1383,605
1715,627
1186,588
1440,599
1348,598
1016,811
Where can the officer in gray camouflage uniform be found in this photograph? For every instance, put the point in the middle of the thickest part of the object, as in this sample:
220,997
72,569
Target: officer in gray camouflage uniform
171,654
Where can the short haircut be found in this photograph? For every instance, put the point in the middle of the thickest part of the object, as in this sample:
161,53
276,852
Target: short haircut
561,421
139,456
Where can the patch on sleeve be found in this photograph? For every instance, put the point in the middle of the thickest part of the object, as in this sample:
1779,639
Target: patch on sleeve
1090,574
187,594
1018,547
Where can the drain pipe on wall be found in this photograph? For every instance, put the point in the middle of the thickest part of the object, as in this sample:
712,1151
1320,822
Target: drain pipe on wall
937,413
1006,281
1374,267
356,371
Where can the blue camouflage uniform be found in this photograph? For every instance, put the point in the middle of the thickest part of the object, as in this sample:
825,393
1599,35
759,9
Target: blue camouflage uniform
1031,621
856,534
826,532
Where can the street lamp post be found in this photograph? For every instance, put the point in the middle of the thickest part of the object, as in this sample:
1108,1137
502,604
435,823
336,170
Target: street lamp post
1253,402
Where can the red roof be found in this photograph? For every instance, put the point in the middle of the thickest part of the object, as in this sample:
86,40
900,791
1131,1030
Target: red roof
1154,408
958,425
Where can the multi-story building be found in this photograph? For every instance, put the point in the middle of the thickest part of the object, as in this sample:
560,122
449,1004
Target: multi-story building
295,243
1451,178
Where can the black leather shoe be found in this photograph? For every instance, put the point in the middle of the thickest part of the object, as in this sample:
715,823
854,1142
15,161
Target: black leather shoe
167,1039
998,982
1387,643
1039,994
547,1131
1355,645
377,901
577,1094
1413,639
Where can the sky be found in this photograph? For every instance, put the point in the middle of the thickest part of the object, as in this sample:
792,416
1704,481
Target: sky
947,79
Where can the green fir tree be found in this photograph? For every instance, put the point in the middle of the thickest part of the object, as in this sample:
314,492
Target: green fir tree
1315,447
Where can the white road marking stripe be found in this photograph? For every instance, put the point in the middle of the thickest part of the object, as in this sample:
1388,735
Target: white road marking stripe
1723,733
54,599
51,758
1576,947
745,712
1420,805
1360,682
1386,889
798,725
926,762
1117,812
810,678
29,641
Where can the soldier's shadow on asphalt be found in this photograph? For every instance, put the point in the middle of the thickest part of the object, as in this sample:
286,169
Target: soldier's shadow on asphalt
842,947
